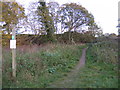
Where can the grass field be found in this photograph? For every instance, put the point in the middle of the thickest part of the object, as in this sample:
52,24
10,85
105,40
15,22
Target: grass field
37,66
102,65
40,66
93,75
100,71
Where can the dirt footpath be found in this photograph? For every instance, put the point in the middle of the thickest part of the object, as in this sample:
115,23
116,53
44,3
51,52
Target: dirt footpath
81,62
67,81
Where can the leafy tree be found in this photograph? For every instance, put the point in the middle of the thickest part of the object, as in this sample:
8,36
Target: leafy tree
95,30
74,16
46,19
31,22
112,35
12,12
53,8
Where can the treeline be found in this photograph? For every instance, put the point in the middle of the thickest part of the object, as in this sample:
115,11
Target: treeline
46,19
27,39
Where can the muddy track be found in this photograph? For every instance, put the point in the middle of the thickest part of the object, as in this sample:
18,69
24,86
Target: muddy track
70,77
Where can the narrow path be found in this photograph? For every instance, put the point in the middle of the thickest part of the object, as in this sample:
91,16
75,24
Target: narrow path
68,81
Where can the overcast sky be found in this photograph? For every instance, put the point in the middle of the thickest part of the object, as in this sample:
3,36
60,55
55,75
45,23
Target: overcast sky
104,11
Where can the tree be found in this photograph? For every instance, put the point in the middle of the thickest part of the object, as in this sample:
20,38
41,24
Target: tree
12,12
112,35
46,19
95,30
53,8
74,16
31,22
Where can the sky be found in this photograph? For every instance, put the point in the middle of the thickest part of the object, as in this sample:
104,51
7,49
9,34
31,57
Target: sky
105,12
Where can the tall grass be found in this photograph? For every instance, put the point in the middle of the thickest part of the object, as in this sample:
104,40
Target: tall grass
104,51
37,66
102,64
100,71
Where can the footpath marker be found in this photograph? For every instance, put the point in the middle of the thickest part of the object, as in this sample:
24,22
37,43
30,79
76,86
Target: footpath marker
13,44
13,47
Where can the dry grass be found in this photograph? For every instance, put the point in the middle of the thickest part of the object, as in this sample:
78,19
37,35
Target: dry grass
28,48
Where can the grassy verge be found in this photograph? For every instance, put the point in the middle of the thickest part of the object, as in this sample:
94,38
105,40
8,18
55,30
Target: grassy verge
95,75
39,66
101,69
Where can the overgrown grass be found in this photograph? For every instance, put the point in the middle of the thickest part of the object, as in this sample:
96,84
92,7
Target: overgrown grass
102,65
100,71
104,51
94,75
39,66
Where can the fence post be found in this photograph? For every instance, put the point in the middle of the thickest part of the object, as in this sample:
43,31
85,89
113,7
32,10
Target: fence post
14,52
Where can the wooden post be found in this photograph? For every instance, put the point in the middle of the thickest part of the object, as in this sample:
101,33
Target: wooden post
13,53
14,62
